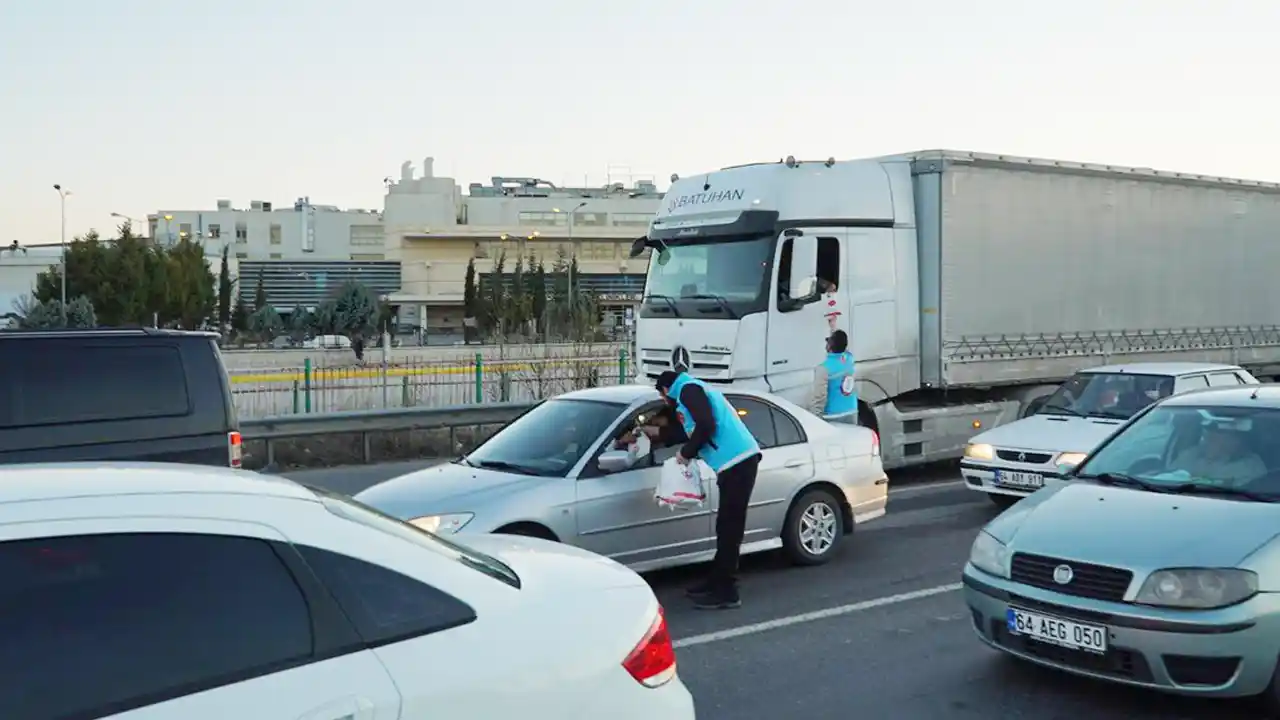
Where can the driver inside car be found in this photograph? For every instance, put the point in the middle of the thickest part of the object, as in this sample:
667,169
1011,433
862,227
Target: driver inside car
659,426
1221,458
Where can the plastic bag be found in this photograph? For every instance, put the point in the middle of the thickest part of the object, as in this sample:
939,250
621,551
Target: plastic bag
638,448
683,486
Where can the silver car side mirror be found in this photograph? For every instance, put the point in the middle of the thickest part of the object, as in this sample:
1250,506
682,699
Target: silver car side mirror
614,461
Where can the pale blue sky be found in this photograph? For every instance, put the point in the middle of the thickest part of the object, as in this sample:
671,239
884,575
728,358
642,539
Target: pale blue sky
136,105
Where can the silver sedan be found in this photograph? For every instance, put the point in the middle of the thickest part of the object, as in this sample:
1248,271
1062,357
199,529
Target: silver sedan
556,473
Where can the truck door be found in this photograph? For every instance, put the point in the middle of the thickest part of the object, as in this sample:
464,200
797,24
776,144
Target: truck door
799,327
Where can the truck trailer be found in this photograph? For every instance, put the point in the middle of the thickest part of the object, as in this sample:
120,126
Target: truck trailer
970,285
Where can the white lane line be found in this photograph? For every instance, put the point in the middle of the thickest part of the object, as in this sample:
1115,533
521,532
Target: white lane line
756,628
923,487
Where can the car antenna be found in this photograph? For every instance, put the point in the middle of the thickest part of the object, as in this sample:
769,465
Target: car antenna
1254,395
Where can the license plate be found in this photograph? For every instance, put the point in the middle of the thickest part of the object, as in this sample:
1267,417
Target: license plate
1030,481
1057,631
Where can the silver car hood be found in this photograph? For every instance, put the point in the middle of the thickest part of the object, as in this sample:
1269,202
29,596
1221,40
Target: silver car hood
441,489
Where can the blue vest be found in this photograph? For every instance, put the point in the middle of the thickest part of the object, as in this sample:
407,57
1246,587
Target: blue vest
732,442
842,396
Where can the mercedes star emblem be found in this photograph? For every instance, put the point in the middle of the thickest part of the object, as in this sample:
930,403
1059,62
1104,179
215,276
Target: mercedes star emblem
1063,574
681,361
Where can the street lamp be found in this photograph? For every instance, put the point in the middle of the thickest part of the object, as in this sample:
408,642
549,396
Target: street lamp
62,206
572,249
168,229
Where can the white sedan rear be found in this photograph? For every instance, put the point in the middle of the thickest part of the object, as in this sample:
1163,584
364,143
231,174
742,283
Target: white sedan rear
157,592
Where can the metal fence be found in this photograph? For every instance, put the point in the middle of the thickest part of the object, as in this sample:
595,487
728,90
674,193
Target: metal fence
326,386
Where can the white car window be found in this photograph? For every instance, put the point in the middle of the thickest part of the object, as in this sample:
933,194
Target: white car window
95,625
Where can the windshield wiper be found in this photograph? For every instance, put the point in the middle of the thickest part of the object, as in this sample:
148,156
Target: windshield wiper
1063,408
1123,480
508,467
462,460
1191,488
724,304
671,302
1109,414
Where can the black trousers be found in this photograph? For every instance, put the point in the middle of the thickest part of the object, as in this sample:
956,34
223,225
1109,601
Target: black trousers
735,484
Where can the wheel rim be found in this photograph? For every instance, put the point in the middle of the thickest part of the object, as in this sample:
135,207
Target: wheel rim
818,528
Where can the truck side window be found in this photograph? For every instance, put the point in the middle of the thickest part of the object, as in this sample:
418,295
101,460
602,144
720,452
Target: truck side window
829,260
784,268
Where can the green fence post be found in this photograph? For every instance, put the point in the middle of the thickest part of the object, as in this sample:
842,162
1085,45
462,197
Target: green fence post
479,378
295,397
404,391
622,366
306,383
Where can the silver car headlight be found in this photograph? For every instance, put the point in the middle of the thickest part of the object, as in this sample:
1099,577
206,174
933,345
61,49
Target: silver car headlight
1198,588
979,451
990,555
442,524
1071,458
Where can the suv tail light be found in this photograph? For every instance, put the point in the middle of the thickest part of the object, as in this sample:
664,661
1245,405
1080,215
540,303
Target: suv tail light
653,660
235,449
875,444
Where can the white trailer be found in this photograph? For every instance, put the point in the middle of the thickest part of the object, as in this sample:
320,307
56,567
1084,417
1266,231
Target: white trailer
970,284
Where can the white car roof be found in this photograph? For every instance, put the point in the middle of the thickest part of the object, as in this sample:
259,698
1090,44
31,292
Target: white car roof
1173,369
74,481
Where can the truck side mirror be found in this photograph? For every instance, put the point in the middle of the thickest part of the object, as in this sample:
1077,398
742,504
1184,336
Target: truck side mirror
637,247
804,266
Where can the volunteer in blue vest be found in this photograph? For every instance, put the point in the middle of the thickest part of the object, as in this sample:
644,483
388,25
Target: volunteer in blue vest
719,437
835,396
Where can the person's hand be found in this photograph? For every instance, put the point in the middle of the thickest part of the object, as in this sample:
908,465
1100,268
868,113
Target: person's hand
682,459
626,439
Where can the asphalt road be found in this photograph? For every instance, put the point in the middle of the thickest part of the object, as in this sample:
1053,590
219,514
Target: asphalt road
879,632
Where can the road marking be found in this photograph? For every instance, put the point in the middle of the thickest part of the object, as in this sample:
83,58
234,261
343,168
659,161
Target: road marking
922,487
757,628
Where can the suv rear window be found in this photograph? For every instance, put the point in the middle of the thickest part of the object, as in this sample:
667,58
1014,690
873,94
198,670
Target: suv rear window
63,381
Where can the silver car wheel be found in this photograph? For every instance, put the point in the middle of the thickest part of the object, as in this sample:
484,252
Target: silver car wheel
818,527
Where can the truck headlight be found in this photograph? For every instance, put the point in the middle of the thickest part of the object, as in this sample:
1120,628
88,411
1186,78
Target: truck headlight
979,451
442,524
989,555
1198,588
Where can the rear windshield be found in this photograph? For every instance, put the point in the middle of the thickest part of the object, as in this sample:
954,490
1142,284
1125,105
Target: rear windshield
58,381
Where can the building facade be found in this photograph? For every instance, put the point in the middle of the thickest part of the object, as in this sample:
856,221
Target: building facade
308,283
434,230
301,231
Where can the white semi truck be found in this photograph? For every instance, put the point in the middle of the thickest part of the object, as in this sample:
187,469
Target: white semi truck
970,285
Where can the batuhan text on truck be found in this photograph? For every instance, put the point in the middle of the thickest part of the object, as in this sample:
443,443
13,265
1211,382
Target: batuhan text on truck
970,285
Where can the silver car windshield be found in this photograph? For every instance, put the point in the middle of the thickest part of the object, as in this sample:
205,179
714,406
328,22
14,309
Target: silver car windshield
1193,449
1111,395
548,440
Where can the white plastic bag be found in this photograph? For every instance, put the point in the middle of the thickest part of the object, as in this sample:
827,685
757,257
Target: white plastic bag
638,448
683,486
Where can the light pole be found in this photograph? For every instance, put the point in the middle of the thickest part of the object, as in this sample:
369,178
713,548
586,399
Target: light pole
573,251
168,229
62,243
132,222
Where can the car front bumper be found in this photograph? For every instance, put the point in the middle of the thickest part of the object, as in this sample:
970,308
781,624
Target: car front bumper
982,477
1231,652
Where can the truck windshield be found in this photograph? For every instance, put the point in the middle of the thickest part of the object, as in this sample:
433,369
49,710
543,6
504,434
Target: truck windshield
722,276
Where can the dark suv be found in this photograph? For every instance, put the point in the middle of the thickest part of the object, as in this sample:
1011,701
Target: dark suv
153,395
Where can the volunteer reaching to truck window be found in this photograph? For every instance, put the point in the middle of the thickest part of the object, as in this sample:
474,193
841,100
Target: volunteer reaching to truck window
719,437
835,396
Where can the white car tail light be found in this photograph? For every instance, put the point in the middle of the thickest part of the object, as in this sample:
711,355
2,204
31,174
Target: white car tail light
653,660
875,444
235,449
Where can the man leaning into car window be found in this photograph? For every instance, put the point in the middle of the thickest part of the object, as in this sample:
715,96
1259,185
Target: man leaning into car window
1221,458
661,429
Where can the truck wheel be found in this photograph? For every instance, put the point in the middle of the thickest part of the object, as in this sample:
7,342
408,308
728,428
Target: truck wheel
814,528
1004,502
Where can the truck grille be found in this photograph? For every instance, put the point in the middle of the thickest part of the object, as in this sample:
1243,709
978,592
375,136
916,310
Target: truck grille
1023,457
1090,581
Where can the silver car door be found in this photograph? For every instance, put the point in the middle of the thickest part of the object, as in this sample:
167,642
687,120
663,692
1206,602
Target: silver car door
619,518
786,462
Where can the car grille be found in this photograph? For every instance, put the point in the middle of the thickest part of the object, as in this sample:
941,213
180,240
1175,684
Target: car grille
1023,457
1091,581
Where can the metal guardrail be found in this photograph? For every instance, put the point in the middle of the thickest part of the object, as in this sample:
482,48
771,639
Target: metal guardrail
366,422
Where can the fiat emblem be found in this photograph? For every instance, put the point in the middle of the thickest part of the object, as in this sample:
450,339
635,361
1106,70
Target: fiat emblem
1063,574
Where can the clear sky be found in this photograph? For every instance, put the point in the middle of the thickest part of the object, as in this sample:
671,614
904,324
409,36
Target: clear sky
136,105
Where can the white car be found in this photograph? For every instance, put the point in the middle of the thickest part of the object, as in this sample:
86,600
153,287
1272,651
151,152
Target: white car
158,592
1012,461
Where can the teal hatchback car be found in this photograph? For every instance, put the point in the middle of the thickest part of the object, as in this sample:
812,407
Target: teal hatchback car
1156,561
